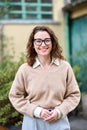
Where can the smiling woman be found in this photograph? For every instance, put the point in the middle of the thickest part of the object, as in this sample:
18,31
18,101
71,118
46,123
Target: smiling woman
44,89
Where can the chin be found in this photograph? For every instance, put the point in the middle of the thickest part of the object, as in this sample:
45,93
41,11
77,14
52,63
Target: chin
43,54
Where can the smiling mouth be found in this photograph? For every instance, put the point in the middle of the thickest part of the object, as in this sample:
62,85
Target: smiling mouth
45,49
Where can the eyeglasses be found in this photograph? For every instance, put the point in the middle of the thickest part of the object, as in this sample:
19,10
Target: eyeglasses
39,42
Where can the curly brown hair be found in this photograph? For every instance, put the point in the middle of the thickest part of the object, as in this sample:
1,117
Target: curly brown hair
56,51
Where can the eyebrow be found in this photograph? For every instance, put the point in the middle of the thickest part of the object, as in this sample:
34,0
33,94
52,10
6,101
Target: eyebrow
41,39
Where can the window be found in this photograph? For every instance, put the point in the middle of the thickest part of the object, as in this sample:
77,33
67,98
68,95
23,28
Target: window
26,9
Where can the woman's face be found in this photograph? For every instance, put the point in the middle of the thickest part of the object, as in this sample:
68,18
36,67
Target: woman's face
42,43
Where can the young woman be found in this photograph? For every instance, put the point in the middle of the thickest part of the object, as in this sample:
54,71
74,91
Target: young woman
44,89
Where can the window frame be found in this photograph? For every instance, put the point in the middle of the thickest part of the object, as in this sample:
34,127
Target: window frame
7,12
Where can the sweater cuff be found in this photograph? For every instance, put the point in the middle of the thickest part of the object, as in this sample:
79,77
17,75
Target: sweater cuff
37,111
59,113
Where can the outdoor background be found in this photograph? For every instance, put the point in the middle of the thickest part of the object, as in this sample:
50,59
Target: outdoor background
68,19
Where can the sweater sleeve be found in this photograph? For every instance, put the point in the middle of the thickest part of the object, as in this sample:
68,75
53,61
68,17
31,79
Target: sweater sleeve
72,95
17,95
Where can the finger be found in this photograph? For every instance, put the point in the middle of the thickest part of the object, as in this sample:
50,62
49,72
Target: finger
50,118
45,114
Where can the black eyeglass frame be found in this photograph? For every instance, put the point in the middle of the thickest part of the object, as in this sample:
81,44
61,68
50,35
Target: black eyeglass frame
50,40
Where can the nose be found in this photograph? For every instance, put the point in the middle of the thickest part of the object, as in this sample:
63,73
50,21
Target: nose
43,43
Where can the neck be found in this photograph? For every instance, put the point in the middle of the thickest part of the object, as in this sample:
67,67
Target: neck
45,61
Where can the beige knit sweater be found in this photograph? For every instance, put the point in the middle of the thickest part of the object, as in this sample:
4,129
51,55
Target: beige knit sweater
54,88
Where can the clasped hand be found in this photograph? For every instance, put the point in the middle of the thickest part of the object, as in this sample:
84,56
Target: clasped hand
49,116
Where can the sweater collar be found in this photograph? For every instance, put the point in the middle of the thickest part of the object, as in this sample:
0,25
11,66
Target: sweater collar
54,61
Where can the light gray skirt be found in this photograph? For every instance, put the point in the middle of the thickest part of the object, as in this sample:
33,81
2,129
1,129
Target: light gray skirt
30,123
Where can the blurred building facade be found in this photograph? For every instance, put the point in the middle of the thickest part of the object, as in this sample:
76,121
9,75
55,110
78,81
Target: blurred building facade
17,19
76,25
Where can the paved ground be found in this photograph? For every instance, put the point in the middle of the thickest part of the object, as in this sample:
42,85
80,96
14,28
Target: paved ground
78,123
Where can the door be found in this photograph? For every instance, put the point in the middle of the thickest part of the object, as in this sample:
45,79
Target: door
78,47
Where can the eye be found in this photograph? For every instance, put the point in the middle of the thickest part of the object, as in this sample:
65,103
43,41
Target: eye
48,40
39,41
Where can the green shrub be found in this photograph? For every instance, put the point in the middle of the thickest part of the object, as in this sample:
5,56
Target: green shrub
80,68
8,69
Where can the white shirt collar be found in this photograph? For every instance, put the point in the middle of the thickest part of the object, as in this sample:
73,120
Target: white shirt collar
54,60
